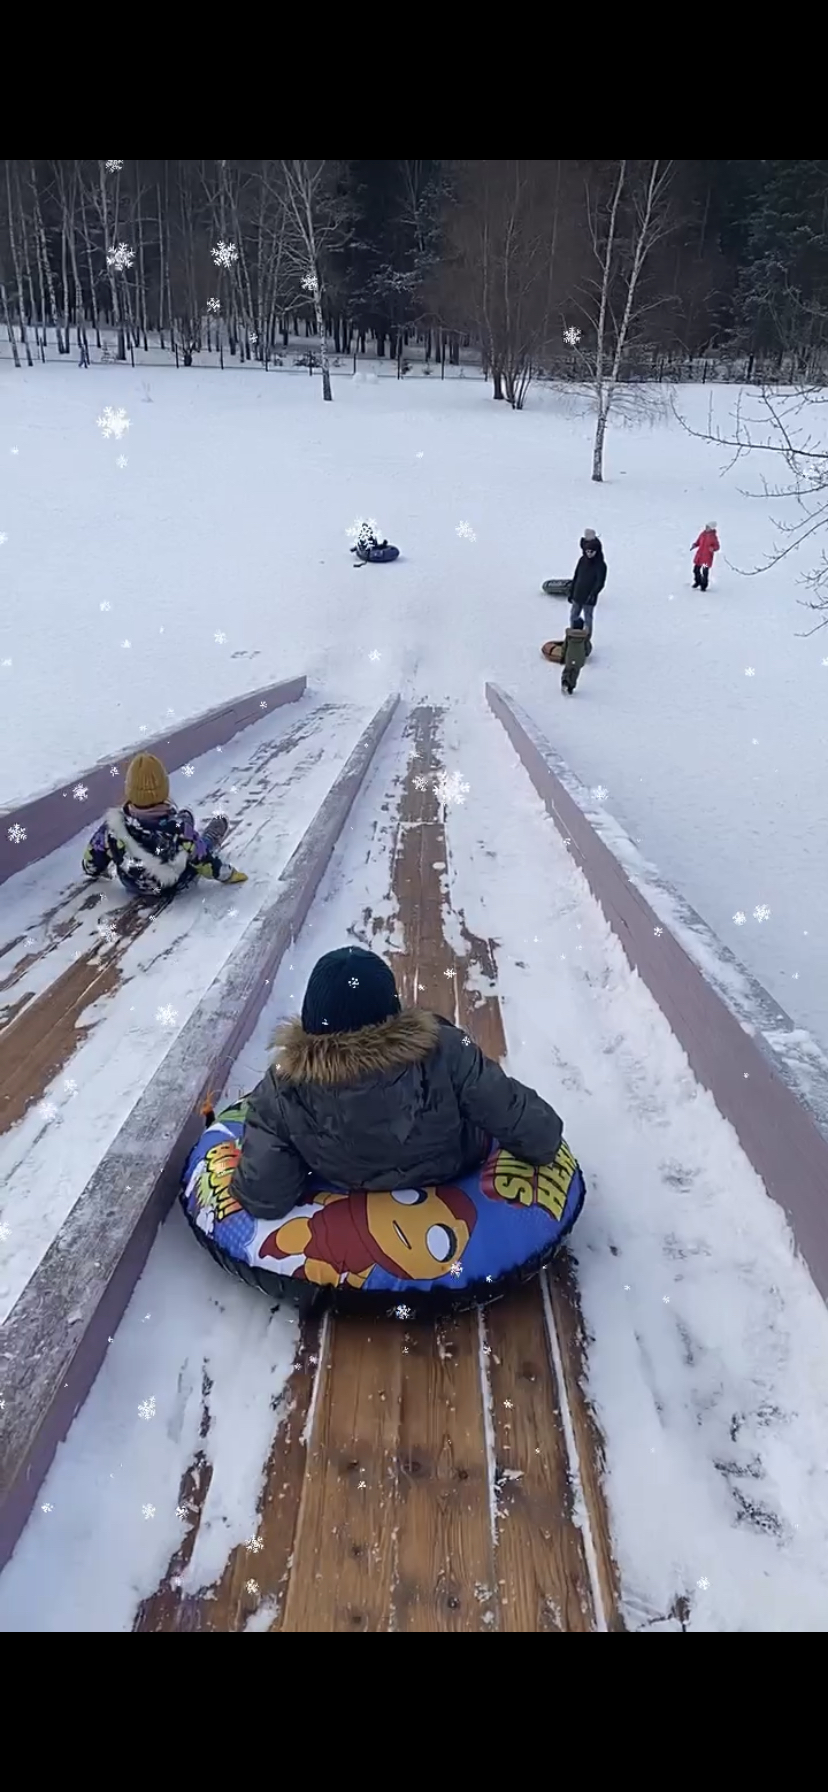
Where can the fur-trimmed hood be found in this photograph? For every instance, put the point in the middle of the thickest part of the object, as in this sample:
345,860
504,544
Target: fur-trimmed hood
164,872
336,1058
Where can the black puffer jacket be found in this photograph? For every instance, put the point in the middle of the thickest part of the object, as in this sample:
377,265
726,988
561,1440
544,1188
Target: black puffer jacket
590,577
405,1104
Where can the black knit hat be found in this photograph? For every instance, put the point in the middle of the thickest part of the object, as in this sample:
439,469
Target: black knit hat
348,989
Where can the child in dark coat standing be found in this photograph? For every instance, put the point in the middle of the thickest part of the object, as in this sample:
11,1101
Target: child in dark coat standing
706,545
588,581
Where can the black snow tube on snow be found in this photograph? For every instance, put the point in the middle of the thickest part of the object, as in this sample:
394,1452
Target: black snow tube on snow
377,555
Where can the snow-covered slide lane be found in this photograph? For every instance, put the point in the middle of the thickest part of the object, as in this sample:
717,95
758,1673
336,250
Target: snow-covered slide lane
98,988
708,1338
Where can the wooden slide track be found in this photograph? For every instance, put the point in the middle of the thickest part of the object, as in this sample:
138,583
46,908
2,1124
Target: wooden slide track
444,1476
45,1010
423,1476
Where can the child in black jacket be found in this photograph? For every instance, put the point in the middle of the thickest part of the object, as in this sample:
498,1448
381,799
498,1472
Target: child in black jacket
588,580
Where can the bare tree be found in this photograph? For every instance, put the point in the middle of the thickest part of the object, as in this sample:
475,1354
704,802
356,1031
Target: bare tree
318,215
791,427
500,277
624,226
16,264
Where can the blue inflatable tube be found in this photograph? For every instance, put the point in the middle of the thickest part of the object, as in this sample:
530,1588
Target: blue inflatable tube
405,1251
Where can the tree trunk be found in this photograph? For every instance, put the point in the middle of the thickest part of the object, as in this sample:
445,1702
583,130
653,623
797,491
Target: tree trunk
5,303
323,346
96,316
142,275
497,382
27,262
113,277
64,274
46,269
18,278
598,446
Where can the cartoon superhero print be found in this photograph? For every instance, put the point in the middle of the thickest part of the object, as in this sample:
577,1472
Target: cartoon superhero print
505,1178
415,1233
213,1200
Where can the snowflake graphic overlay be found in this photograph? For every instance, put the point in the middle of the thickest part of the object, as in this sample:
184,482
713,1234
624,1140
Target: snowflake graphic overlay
450,787
16,833
113,422
310,282
214,307
572,336
361,528
113,167
465,531
761,912
119,258
166,1015
146,1409
225,255
80,793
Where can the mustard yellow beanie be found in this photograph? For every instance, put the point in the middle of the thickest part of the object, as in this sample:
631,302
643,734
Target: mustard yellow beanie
146,782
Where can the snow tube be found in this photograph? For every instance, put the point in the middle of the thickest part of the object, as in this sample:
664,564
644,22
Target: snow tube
557,587
554,651
378,555
406,1252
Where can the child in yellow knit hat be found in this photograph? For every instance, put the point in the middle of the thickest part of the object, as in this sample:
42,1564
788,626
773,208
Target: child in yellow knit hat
155,847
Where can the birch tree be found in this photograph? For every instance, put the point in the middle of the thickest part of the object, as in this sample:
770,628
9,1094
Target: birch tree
623,229
318,216
16,264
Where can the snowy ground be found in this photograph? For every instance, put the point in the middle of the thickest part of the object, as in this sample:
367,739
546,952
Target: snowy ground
228,521
709,1339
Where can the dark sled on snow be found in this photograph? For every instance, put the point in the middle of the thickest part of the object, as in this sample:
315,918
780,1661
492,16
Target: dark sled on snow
557,588
377,555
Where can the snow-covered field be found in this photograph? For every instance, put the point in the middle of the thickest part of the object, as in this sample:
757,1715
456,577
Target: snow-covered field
220,551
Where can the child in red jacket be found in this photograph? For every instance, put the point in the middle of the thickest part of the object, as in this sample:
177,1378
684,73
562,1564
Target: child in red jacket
706,545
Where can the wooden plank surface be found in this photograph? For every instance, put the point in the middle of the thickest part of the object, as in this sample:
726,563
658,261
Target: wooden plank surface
565,1312
446,1560
542,1574
56,1333
344,1562
445,1533
437,1492
543,1580
259,1568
